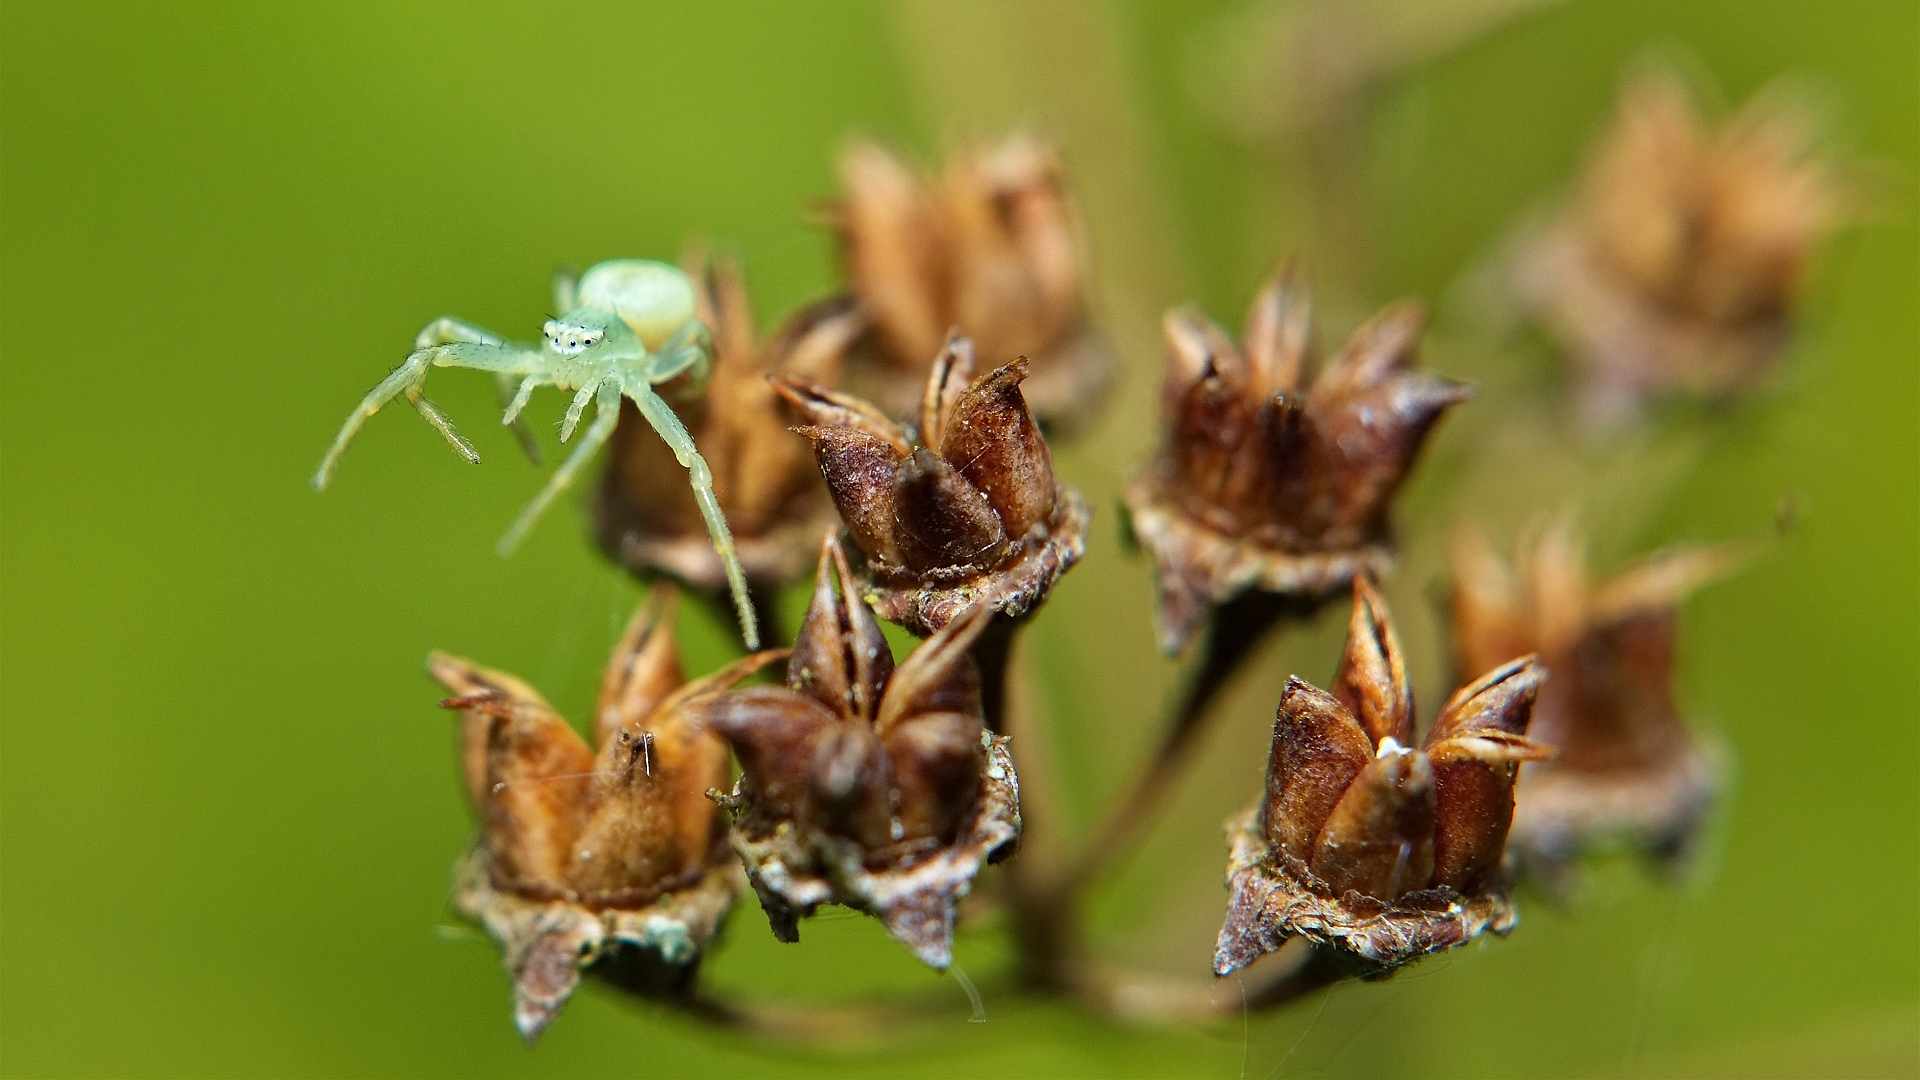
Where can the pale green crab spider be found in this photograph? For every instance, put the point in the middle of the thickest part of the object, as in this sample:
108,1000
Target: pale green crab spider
630,325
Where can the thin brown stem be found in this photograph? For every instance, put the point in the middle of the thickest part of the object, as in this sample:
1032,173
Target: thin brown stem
1233,630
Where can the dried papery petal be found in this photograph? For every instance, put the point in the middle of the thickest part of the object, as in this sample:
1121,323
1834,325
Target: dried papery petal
994,443
776,733
828,409
1379,839
860,471
938,759
1279,335
940,676
645,668
941,521
1372,678
535,774
950,377
852,783
650,827
1477,746
840,657
892,244
1318,749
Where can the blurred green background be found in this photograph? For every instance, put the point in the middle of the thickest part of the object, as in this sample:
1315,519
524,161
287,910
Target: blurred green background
228,806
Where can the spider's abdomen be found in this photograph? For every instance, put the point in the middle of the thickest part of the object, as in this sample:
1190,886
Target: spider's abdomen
651,297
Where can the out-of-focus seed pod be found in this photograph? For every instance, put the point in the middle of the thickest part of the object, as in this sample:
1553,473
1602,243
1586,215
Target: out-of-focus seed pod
1627,768
970,515
607,859
1365,844
1274,478
1678,262
990,247
865,784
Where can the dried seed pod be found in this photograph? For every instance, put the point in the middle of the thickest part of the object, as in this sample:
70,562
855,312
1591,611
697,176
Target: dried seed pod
645,515
972,515
1678,261
864,784
598,855
1363,843
1627,768
1272,480
991,247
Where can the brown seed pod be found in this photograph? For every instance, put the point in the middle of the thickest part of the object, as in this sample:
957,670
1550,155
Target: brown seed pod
1363,843
970,515
991,247
864,784
608,855
1627,768
1677,263
1272,480
645,516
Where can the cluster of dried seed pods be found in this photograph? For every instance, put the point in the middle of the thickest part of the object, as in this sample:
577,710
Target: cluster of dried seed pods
1364,843
1680,258
1275,478
609,856
991,248
968,514
865,784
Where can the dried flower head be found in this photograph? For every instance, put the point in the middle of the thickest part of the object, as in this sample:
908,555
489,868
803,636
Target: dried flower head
866,785
1627,768
645,513
609,856
1677,264
991,247
1271,479
1364,844
970,515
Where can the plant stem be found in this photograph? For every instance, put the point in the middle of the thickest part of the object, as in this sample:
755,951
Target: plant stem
1233,630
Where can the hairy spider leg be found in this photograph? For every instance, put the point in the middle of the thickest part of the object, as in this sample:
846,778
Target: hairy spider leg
691,346
606,414
512,403
520,398
579,405
437,337
668,425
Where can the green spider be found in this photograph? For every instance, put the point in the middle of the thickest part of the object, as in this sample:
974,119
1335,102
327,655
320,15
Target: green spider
629,326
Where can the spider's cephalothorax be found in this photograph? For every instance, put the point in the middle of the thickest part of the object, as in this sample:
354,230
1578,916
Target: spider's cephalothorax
628,326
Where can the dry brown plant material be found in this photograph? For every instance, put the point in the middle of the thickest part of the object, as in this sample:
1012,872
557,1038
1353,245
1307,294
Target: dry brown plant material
1276,478
1679,260
645,515
609,855
991,247
1627,768
1363,844
864,784
968,515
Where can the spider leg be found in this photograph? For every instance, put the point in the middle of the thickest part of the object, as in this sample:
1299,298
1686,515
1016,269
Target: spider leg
490,355
668,425
513,403
579,404
405,379
606,414
690,347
